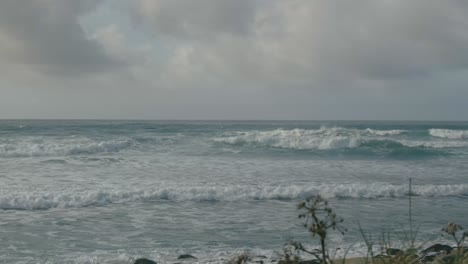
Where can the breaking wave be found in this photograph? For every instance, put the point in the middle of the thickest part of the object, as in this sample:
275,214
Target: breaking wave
81,198
333,138
449,133
294,139
385,132
33,149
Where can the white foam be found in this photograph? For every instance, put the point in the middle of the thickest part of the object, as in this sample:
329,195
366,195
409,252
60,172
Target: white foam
322,138
449,133
385,132
60,148
435,144
85,198
329,138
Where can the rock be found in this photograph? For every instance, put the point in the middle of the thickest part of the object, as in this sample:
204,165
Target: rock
437,248
242,258
144,261
394,251
186,256
428,258
314,261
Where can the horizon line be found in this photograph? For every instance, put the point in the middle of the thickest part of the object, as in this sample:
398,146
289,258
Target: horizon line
232,120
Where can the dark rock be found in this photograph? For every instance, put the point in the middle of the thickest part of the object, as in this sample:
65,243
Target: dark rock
313,261
144,261
394,251
428,258
186,256
437,248
242,258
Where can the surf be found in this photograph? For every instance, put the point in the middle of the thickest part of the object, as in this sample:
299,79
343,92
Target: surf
235,193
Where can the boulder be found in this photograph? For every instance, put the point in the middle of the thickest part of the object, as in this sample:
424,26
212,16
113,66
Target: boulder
186,256
313,261
438,249
394,251
144,261
427,258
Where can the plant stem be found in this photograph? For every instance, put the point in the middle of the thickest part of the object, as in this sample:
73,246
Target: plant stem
324,258
410,214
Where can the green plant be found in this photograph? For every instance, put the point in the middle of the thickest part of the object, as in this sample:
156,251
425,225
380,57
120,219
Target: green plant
291,253
319,218
455,231
239,259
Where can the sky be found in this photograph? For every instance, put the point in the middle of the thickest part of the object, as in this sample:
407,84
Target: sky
234,59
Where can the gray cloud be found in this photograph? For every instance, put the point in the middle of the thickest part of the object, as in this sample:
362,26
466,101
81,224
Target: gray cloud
195,19
45,35
275,59
312,40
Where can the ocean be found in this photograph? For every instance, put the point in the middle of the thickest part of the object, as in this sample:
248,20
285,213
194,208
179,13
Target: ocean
112,191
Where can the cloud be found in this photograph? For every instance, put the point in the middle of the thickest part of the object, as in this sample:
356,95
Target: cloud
46,36
297,43
196,19
295,59
311,43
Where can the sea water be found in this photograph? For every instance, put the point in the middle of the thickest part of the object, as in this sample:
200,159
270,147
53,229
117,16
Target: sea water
113,191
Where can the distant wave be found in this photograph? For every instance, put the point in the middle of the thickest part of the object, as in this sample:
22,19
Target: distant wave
61,148
74,199
385,132
449,133
332,138
294,139
434,144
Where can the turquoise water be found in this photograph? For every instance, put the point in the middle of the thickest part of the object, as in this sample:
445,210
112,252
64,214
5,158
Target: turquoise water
112,191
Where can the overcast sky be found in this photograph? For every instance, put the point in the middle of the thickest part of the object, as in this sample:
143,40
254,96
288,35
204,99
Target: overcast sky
234,59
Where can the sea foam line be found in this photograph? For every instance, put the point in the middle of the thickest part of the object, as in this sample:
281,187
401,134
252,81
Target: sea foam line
31,149
449,133
331,138
86,198
385,132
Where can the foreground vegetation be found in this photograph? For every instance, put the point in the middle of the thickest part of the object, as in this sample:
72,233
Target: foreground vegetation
319,219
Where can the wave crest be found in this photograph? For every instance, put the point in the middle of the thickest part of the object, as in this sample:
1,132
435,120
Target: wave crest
80,198
385,132
332,138
33,149
294,139
449,133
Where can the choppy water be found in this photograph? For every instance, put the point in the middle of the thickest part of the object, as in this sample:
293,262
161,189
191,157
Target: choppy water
112,191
